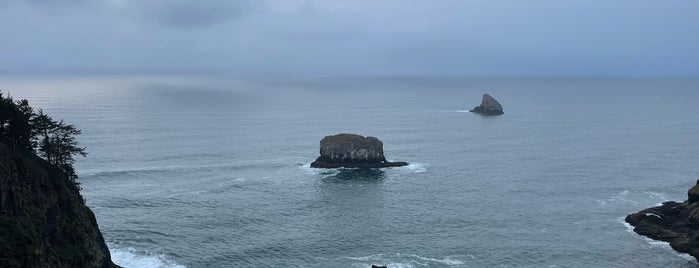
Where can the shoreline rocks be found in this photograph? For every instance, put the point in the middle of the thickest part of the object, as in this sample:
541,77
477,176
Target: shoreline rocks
352,151
672,222
489,106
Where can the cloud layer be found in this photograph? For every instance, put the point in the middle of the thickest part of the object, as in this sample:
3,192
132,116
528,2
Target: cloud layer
449,37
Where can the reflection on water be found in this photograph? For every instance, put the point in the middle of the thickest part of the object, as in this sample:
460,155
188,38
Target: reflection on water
357,175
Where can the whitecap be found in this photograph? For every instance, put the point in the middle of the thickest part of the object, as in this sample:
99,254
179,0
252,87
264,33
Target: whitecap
406,260
621,196
446,261
655,195
132,258
414,167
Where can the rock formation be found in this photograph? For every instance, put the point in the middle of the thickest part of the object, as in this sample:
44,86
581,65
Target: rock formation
672,222
352,151
489,106
43,219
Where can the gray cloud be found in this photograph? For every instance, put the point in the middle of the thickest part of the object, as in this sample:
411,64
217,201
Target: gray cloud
448,37
187,14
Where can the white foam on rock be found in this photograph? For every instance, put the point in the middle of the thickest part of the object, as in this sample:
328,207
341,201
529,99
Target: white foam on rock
656,243
131,258
411,167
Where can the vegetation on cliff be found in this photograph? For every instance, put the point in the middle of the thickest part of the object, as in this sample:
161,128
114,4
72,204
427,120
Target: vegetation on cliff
22,129
43,219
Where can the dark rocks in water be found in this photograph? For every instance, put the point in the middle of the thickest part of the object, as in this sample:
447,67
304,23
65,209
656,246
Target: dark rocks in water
43,219
489,106
672,222
352,151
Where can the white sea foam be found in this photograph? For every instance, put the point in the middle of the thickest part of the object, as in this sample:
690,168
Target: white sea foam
414,167
621,196
131,258
324,172
396,260
446,261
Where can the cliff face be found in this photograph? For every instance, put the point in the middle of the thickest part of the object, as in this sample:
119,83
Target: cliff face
351,150
672,222
489,106
43,219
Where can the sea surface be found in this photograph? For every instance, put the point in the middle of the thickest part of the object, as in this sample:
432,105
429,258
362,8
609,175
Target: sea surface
213,170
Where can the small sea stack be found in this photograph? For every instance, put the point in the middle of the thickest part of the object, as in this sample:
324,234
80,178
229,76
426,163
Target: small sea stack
672,222
352,151
489,106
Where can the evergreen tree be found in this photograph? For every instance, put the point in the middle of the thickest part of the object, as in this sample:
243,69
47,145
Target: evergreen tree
22,129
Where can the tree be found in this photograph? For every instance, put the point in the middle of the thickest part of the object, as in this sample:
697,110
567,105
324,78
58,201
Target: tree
64,146
22,129
42,125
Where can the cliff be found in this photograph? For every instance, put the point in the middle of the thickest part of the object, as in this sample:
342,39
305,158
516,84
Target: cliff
672,222
352,151
43,219
489,106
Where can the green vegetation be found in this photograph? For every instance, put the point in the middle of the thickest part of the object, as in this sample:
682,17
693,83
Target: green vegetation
22,129
43,219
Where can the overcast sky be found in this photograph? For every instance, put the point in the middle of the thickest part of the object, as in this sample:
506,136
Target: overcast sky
610,38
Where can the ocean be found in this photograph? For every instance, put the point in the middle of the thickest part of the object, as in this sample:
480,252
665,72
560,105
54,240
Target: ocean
213,170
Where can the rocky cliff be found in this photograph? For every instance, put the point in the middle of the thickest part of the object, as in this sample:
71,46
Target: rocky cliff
43,219
672,222
351,150
489,106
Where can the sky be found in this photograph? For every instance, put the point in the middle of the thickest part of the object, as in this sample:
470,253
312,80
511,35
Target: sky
551,38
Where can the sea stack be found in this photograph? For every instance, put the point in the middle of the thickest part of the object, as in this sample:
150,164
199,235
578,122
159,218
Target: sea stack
672,222
352,151
489,106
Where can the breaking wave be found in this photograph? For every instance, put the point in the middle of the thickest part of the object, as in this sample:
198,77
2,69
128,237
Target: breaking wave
131,258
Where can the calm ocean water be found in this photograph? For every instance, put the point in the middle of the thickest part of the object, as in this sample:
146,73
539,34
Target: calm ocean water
212,171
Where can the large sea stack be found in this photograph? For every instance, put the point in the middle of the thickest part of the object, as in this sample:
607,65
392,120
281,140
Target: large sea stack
43,219
672,222
352,151
489,106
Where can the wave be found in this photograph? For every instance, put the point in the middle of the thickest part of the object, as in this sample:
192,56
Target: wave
105,172
131,258
635,197
395,260
414,167
324,172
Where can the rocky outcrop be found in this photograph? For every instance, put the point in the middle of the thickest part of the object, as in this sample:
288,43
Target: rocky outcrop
352,151
489,106
43,219
672,222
